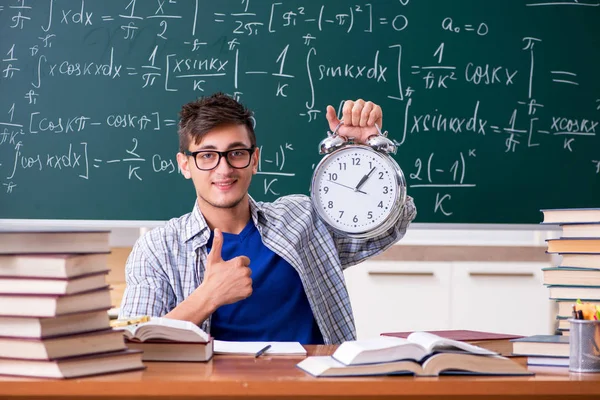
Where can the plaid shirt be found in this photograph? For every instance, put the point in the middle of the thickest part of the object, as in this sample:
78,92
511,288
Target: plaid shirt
167,263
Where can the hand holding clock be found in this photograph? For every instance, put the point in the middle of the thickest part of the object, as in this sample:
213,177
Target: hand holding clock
359,118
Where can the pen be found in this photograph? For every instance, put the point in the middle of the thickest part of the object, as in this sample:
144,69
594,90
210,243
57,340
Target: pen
262,351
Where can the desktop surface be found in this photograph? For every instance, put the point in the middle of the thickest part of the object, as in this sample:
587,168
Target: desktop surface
278,377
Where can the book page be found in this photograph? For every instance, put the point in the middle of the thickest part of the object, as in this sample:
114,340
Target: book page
433,342
169,329
377,350
277,348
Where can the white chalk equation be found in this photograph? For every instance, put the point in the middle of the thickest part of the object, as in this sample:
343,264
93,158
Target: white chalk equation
92,90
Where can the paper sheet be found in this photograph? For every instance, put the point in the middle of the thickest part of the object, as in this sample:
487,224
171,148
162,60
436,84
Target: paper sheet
277,348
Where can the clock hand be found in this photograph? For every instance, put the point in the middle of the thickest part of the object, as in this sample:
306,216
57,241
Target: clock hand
349,187
364,179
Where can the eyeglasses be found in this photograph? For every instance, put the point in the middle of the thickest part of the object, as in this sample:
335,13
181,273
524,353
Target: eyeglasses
209,159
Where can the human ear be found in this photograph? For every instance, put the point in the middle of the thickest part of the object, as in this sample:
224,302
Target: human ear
255,157
184,165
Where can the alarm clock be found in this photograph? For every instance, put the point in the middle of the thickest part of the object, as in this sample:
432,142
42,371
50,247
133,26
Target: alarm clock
358,190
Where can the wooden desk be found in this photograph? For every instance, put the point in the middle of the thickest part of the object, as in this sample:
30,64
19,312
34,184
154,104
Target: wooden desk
277,377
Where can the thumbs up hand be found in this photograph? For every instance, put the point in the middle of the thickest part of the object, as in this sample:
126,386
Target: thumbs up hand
226,282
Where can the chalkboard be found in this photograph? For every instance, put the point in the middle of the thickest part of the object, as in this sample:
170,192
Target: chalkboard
495,105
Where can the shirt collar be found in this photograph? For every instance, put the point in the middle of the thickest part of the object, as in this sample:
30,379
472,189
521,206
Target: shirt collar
196,226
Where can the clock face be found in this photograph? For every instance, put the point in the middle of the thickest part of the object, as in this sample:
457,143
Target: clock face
355,189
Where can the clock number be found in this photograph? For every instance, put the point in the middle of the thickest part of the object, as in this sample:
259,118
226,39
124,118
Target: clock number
333,177
342,166
385,190
381,176
355,161
370,165
370,215
355,219
341,214
326,189
380,205
330,204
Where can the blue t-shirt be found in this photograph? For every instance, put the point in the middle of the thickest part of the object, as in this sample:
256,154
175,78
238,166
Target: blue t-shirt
277,310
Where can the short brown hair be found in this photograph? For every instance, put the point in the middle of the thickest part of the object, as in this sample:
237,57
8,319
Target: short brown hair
199,117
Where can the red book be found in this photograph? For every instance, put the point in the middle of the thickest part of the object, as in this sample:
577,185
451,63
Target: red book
498,342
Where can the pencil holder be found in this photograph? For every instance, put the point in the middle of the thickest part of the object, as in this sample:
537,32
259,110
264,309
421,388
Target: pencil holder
584,346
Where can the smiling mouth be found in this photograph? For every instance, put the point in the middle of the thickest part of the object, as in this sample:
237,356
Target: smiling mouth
224,185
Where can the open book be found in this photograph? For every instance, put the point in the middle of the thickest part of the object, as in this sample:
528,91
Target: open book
165,329
421,353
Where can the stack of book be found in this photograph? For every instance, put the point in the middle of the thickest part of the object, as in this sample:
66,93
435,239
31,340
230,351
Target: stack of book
53,307
577,275
543,350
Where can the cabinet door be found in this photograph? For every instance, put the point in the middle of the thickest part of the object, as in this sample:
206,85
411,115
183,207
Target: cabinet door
501,297
396,296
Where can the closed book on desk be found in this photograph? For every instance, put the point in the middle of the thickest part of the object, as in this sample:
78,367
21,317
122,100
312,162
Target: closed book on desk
496,342
29,242
158,350
581,260
62,346
74,367
30,305
548,361
542,345
584,229
565,307
29,285
38,328
571,276
574,245
570,215
572,293
52,265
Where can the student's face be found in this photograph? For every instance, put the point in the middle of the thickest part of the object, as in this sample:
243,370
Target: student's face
223,186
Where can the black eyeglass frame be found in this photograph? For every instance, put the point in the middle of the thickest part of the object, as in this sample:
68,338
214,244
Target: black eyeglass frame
221,154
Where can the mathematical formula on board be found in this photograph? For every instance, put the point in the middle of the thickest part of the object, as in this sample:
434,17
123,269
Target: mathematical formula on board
51,50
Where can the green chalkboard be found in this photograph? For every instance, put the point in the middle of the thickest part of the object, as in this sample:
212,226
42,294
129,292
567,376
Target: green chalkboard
495,104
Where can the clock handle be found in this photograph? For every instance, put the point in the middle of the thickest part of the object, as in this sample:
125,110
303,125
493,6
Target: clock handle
334,133
333,141
382,143
379,142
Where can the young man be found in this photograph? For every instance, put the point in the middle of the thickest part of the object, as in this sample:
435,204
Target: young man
247,270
